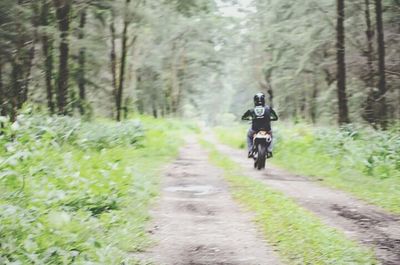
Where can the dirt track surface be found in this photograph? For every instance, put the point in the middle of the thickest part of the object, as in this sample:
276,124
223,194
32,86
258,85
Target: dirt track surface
197,222
358,220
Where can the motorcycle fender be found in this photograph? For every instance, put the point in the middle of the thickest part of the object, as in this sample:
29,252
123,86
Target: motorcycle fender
260,141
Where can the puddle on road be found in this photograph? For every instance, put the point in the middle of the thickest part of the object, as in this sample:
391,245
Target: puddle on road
195,189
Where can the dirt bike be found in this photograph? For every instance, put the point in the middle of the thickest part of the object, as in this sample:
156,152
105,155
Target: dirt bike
261,141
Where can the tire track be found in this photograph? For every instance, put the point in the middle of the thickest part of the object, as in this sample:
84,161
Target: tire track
365,223
198,223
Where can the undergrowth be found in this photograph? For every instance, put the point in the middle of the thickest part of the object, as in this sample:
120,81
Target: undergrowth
78,193
362,161
300,237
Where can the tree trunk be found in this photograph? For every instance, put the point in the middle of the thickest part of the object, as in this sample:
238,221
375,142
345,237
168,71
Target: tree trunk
303,105
17,72
398,105
32,50
368,106
113,58
154,108
16,86
267,87
123,63
381,66
126,108
270,91
81,61
341,65
370,50
62,13
178,65
47,48
313,103
3,109
175,86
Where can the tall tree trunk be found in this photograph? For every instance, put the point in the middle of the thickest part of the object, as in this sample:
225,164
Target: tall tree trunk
270,91
175,86
370,49
63,8
154,109
368,106
113,58
313,103
32,50
81,61
381,66
341,65
47,48
17,72
178,64
303,106
266,86
16,87
123,63
181,76
3,110
398,105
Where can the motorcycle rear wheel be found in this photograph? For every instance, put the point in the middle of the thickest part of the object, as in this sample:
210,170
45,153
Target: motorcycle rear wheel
260,162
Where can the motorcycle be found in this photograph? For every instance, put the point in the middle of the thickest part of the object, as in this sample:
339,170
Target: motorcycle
261,141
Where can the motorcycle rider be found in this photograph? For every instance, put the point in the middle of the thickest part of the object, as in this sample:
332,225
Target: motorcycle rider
261,116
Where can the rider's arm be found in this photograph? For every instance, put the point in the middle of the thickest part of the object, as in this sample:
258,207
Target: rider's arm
246,115
274,117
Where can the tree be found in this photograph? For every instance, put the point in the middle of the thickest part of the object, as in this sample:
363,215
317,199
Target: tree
381,65
370,50
120,90
47,49
3,109
63,8
341,64
81,62
185,58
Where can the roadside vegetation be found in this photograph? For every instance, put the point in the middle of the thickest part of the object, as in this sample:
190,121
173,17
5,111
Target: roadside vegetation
76,192
362,161
300,237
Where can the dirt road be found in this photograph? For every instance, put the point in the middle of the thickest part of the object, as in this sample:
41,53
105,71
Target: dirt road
198,223
365,223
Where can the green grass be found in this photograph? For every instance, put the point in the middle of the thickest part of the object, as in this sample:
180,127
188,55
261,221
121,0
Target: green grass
80,196
361,161
299,236
234,136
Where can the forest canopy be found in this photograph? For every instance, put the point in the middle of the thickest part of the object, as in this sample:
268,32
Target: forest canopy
317,61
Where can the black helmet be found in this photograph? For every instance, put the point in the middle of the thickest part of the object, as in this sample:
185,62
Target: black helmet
259,99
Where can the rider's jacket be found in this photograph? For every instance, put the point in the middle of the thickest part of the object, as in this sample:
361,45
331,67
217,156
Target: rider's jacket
261,117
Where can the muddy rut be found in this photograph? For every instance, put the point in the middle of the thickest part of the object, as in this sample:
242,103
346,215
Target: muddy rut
197,222
367,224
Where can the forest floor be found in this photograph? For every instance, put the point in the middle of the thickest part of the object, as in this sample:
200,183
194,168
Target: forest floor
198,222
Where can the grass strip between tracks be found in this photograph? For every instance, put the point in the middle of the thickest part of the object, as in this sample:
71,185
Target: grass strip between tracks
299,236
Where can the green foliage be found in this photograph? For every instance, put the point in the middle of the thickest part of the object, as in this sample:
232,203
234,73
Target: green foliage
40,131
73,192
362,161
234,136
356,159
300,237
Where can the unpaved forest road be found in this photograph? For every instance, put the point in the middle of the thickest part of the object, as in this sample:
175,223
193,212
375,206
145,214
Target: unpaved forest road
365,223
197,222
